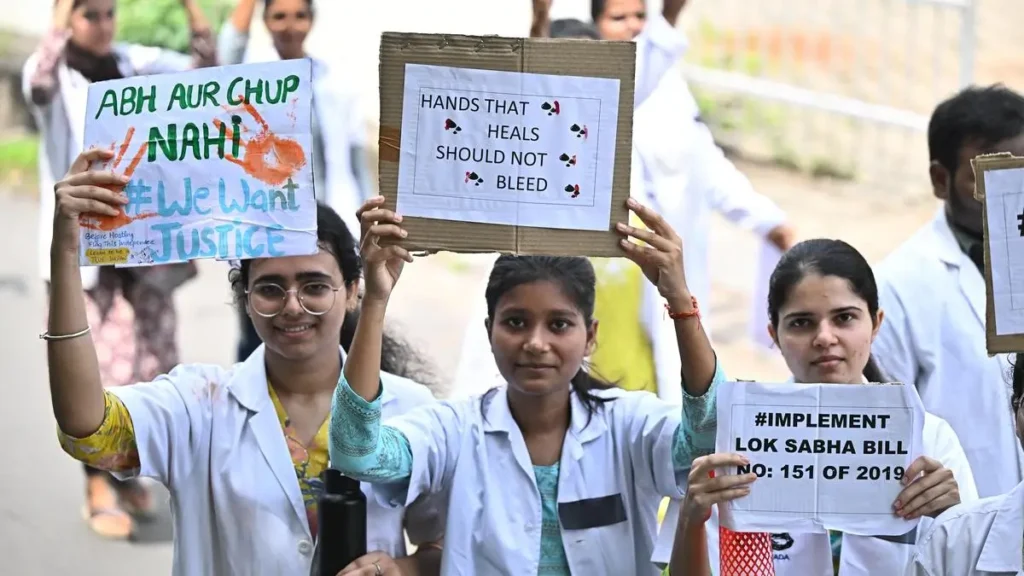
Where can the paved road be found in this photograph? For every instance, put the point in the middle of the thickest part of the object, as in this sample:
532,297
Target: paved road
41,489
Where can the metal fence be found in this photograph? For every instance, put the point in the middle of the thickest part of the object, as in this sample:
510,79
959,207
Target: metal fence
835,88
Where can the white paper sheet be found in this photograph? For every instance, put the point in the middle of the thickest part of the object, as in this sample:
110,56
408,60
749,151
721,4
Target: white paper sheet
1004,194
192,193
841,487
768,257
507,148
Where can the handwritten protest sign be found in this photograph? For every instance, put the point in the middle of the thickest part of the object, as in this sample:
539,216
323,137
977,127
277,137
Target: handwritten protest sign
826,455
219,161
507,148
515,145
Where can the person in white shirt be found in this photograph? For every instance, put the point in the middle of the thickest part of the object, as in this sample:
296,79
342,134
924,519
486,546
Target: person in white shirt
824,313
981,538
240,449
932,288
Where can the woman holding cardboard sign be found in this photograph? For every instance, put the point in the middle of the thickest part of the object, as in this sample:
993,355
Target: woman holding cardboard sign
823,307
579,464
131,310
241,449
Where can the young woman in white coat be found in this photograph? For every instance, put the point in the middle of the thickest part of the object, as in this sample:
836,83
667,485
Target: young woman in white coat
131,310
340,158
984,537
933,290
557,472
823,308
241,448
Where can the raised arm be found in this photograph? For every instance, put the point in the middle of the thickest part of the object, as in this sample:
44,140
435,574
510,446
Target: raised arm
540,26
75,387
234,34
203,47
39,78
359,446
662,263
146,429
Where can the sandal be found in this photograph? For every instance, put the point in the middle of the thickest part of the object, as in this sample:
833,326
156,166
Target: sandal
106,520
136,499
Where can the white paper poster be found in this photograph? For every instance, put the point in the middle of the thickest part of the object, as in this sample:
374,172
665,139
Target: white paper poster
826,455
219,160
507,147
1004,196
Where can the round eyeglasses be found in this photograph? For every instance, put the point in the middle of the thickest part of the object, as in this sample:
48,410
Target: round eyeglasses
268,300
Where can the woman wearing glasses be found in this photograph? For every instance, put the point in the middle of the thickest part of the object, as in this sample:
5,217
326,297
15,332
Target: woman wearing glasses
240,449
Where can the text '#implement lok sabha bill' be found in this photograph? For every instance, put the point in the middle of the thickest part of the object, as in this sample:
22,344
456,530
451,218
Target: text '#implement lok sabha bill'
825,455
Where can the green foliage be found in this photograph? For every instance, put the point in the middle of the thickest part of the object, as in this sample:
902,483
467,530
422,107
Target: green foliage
164,23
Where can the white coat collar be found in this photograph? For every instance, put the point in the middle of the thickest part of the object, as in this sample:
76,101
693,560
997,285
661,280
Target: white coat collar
248,385
498,417
972,283
1005,540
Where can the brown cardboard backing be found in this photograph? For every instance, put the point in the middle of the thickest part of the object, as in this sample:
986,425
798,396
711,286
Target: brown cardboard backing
541,56
994,343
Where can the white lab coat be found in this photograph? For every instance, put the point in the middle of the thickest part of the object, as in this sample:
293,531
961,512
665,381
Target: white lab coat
980,538
62,125
614,470
212,436
934,337
678,170
811,554
340,122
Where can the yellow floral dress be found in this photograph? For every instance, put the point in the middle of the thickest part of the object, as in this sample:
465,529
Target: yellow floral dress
113,448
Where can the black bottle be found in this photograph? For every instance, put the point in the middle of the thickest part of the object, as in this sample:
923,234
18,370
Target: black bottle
341,536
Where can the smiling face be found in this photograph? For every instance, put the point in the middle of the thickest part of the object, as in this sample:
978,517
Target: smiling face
275,286
825,331
539,338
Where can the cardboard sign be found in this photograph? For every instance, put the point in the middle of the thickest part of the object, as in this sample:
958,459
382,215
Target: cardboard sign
1000,187
825,455
219,160
491,144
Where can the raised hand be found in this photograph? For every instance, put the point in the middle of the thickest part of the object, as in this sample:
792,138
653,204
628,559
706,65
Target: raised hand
662,259
382,265
83,191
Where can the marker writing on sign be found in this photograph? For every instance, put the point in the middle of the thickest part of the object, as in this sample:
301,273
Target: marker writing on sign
234,239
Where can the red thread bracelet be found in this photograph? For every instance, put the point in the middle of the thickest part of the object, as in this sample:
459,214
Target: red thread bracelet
695,313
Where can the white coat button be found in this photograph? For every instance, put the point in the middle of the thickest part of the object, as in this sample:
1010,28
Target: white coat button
305,548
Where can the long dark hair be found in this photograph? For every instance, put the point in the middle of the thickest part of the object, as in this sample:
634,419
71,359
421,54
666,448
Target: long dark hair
397,356
826,258
576,278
